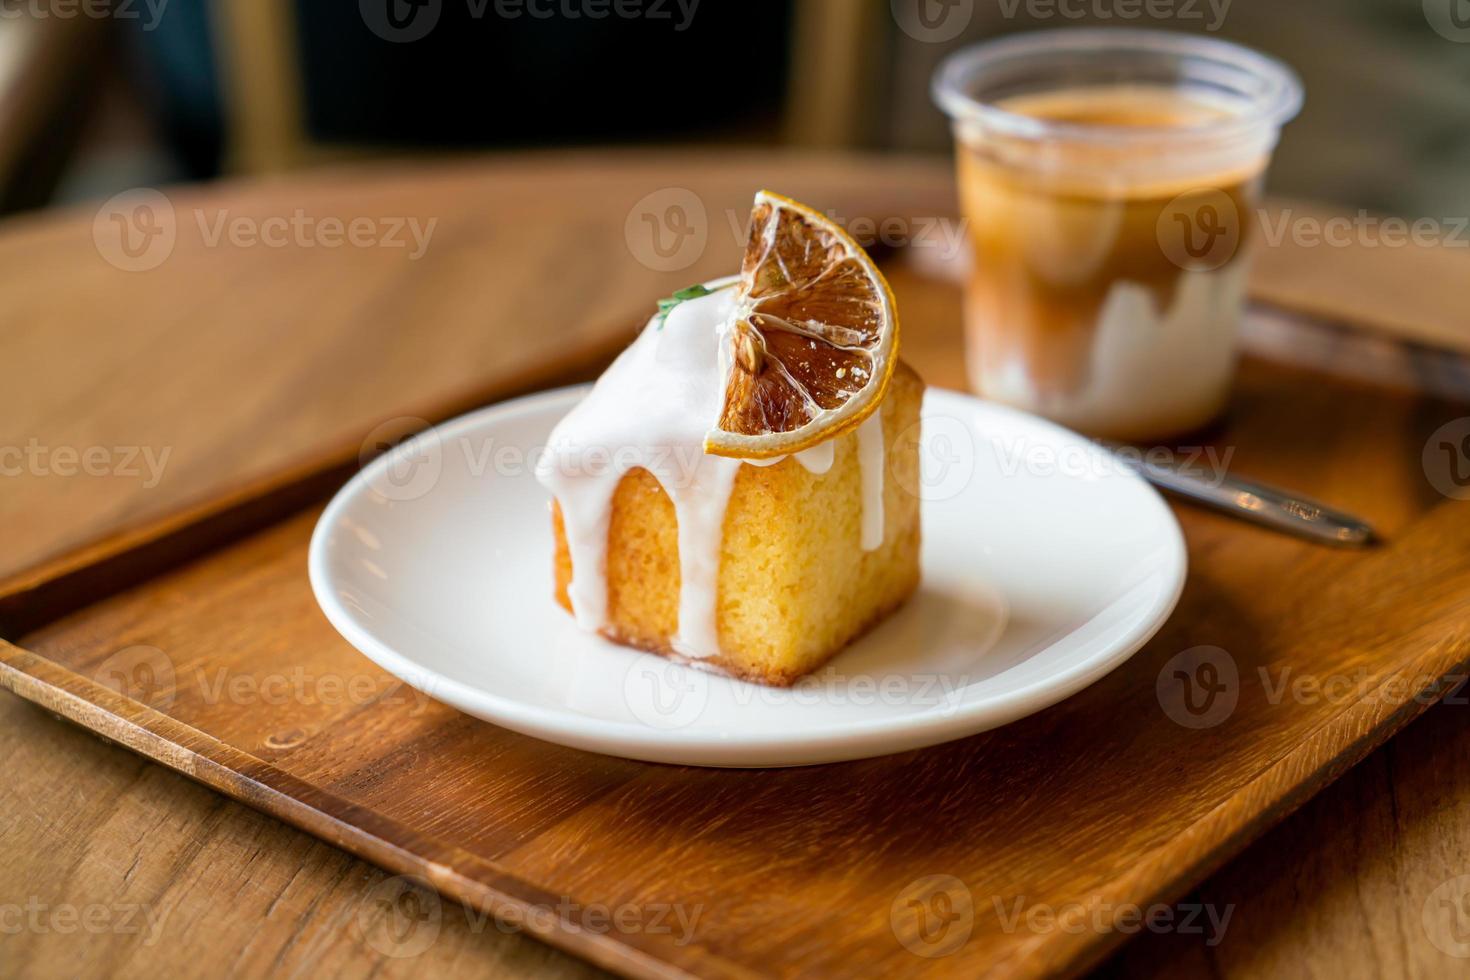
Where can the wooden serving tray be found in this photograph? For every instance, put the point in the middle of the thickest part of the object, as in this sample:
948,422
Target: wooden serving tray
195,640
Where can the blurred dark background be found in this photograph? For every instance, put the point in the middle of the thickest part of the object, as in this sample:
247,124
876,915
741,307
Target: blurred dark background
97,96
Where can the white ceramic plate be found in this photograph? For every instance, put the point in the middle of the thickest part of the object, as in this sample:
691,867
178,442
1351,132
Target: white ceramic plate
1045,566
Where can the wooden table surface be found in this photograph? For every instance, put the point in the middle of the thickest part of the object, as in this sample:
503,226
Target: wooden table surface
238,358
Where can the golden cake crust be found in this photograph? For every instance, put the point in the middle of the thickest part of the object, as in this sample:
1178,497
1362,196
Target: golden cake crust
795,586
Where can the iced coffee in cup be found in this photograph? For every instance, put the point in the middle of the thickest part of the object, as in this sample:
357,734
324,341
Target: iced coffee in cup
1110,180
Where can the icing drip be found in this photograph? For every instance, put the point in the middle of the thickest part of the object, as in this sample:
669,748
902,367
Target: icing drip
701,517
650,409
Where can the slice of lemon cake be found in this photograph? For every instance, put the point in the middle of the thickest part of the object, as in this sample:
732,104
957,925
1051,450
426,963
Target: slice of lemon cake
733,491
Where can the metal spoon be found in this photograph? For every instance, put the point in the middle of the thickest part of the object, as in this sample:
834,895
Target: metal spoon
1255,502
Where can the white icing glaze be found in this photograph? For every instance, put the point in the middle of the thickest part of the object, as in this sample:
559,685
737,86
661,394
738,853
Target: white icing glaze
651,409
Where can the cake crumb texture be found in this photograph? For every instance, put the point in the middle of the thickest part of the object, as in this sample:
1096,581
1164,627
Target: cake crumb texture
795,585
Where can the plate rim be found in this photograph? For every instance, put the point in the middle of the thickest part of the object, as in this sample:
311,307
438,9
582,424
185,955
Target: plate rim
570,728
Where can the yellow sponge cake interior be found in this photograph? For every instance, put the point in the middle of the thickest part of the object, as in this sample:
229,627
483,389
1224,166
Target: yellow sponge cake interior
795,584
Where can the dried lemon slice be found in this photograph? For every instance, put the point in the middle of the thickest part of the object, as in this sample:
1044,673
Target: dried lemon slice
813,340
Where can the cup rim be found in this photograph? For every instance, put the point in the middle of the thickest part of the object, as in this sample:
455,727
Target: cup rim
1278,102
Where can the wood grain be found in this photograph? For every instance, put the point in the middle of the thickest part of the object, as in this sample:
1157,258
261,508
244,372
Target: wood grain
1374,281
1346,888
230,363
1076,813
176,874
78,378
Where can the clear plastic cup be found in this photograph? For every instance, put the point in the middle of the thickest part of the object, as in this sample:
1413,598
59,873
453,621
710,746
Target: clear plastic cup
1110,181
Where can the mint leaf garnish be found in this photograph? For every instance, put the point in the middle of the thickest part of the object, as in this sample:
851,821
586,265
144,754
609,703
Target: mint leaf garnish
669,302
